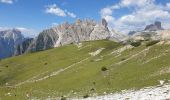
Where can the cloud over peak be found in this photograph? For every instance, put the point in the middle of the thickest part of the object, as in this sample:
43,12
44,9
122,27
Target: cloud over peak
143,12
55,10
7,1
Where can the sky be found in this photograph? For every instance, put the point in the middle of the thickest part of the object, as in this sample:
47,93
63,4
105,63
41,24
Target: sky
33,16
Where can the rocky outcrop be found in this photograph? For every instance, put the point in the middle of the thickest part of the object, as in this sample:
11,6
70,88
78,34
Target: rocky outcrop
66,33
9,39
160,92
45,40
151,32
154,27
23,47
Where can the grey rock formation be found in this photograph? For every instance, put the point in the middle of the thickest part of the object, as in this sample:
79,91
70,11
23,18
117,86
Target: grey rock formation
23,47
66,33
104,23
154,27
45,40
151,32
9,39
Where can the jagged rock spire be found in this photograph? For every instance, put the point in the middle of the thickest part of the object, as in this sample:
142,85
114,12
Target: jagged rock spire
104,23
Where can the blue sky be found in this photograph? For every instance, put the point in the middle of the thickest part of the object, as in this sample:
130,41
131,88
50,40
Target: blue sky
32,16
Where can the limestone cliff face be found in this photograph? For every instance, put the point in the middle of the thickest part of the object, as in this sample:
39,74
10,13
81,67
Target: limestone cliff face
66,33
45,40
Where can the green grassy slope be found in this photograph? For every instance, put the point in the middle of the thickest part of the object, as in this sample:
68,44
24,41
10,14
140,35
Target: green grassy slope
71,71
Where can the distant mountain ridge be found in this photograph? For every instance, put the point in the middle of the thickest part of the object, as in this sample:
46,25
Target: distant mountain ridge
13,43
151,32
154,27
9,39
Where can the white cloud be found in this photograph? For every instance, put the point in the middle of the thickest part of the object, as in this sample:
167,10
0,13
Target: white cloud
107,13
7,1
168,6
54,24
54,9
27,32
70,14
108,10
138,3
143,12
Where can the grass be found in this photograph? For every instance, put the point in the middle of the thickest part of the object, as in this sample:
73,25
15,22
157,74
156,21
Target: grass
84,78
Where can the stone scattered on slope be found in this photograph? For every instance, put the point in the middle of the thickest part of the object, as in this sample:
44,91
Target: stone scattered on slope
150,93
97,52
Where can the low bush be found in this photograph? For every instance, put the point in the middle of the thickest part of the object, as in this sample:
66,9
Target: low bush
94,83
86,96
150,43
92,89
136,44
45,63
91,60
123,59
63,98
104,68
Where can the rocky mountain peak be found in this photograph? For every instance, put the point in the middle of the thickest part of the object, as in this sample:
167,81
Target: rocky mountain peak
81,30
104,23
154,27
158,24
78,22
9,39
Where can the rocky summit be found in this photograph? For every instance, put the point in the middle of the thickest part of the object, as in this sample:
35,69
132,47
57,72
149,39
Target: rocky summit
81,30
151,32
9,39
154,27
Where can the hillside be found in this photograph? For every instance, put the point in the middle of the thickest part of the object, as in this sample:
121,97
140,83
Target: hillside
84,69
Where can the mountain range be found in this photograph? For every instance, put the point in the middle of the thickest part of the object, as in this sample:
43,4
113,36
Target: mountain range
81,30
13,43
85,60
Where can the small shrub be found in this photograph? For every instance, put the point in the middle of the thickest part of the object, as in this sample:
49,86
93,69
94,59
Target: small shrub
91,60
94,83
104,69
123,59
6,66
92,89
63,98
152,43
86,96
45,63
136,44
